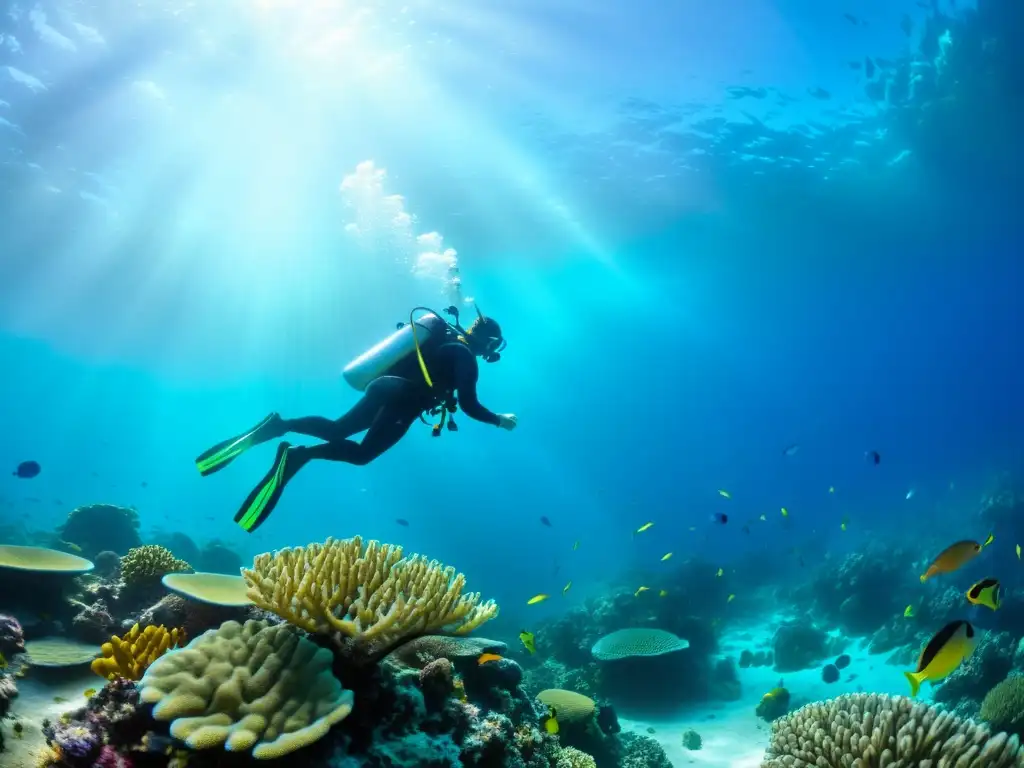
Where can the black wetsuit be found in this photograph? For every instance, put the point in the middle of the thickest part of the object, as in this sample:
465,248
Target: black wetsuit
392,403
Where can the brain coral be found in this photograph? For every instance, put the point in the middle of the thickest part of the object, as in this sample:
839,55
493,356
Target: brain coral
570,707
870,730
637,642
245,687
369,595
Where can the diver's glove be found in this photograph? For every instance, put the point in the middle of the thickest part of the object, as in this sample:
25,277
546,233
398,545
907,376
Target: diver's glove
508,421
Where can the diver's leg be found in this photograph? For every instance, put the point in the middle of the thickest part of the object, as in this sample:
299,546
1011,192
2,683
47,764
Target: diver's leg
223,453
358,419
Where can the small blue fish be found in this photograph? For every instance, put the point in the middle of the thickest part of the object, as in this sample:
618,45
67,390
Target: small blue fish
720,517
402,522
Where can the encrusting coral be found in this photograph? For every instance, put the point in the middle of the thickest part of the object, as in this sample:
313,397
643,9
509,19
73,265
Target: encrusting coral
129,656
247,687
148,564
368,595
875,730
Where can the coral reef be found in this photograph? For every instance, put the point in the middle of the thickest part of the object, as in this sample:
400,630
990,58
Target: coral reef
144,566
638,751
692,740
108,564
773,705
369,598
12,637
868,729
637,641
191,616
95,528
93,623
799,645
217,557
130,656
1003,706
247,687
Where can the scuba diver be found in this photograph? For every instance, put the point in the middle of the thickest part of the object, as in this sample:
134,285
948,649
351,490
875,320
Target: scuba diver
426,366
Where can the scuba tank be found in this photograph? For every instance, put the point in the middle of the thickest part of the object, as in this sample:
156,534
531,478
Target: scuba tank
383,356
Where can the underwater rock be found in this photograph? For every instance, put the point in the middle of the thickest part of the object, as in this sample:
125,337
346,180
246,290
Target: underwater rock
8,691
725,681
990,663
108,564
437,681
503,673
216,557
12,636
830,673
181,546
93,623
691,740
799,645
746,659
95,528
420,651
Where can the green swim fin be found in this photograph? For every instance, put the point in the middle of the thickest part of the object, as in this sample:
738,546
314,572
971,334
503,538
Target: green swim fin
264,497
224,453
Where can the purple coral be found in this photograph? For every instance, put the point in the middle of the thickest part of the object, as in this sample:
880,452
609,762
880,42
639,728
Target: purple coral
75,740
12,638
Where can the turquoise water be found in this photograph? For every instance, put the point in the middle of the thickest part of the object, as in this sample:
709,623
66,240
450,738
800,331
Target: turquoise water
708,233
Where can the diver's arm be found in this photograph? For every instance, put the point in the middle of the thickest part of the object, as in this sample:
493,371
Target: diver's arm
467,372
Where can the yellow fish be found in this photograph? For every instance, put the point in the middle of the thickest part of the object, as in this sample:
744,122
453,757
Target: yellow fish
526,638
644,527
724,494
487,657
575,546
550,721
3,661
1018,551
986,592
537,599
785,513
831,489
641,589
989,540
89,693
731,598
666,556
943,654
763,518
952,558
845,523
663,593
909,611
720,572
71,546
566,587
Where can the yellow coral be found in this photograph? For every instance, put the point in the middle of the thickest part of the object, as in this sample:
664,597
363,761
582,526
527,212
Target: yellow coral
131,655
370,595
570,757
148,563
247,687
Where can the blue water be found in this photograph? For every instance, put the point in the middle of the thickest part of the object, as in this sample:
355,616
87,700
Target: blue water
691,276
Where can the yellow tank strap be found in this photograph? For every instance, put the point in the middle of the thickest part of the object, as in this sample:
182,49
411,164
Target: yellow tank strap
419,354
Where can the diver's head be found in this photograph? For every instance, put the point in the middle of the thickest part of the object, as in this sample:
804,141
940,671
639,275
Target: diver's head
484,338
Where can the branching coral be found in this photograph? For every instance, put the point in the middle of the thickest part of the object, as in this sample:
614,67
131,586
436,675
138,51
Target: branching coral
131,655
871,730
247,687
147,564
369,595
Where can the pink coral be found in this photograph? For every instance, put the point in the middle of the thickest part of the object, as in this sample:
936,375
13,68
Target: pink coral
111,758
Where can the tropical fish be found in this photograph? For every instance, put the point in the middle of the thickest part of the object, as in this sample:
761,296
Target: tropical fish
545,521
537,599
71,545
731,598
27,470
943,654
666,556
566,587
644,527
721,571
663,593
720,517
725,494
402,521
526,638
785,512
550,721
575,546
89,693
986,592
59,700
791,450
989,540
3,661
831,489
640,590
952,558
763,518
487,657
910,494
1018,551
845,523
908,612
873,456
